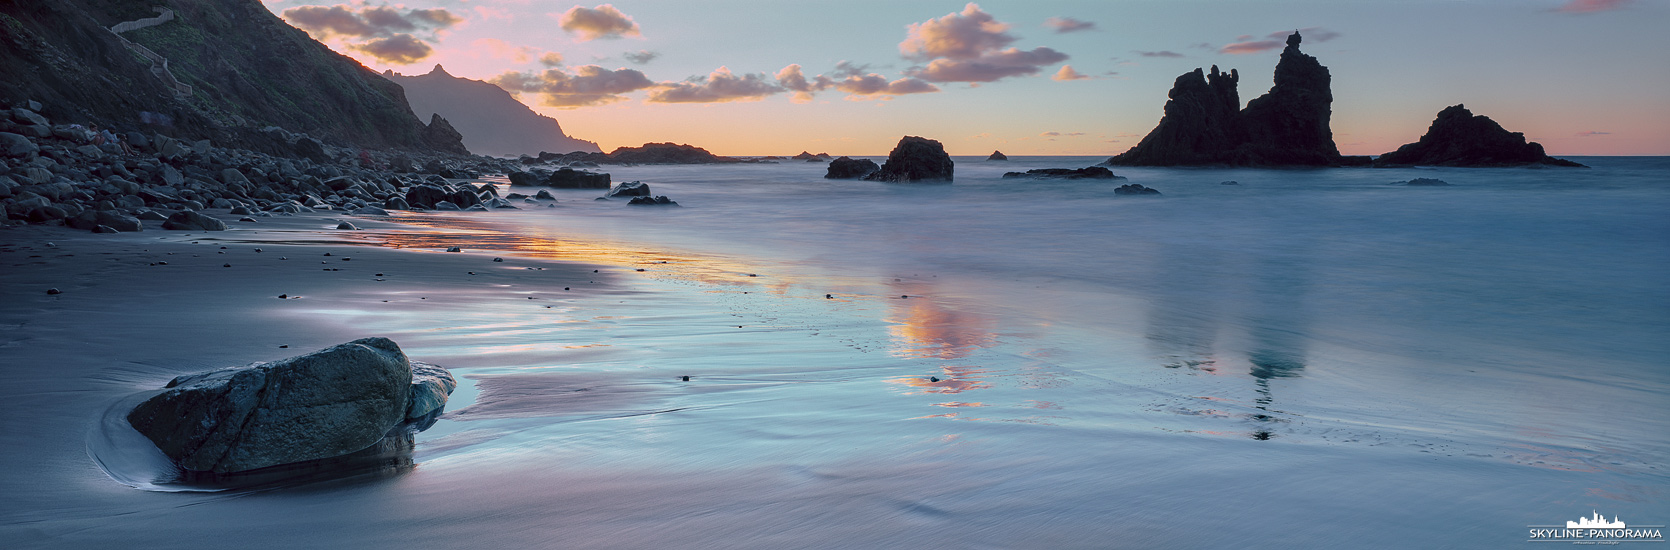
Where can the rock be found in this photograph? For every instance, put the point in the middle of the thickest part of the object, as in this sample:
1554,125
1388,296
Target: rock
1093,172
320,405
118,221
347,226
430,387
151,215
44,214
545,195
447,207
629,189
1204,124
311,149
1432,182
231,176
26,116
396,203
846,168
525,178
54,291
370,211
104,229
441,136
90,151
915,159
569,178
656,201
666,153
1135,189
1460,138
425,196
240,210
997,155
14,145
188,220
1230,182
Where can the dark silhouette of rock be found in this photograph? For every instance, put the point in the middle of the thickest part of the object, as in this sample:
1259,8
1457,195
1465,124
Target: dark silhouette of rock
324,404
311,149
1135,189
806,155
187,220
629,189
659,200
1460,138
1093,172
425,196
441,136
1429,182
915,159
997,155
491,121
568,178
847,168
1204,124
665,153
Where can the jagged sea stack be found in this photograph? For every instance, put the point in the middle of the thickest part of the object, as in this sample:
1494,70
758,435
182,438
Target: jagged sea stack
915,160
1460,138
1204,124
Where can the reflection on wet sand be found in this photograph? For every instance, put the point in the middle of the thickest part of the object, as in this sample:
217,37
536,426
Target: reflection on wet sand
951,379
922,328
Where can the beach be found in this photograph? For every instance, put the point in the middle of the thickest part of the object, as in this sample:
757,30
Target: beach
1301,359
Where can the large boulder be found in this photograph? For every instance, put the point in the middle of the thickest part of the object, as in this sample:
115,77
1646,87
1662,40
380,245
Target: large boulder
188,220
311,149
1460,138
569,178
629,189
525,178
425,196
1093,172
14,145
323,404
915,159
847,168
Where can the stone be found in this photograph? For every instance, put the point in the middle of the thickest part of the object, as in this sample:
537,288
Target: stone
104,229
25,116
425,196
14,145
525,178
240,210
666,153
661,200
430,387
569,178
1093,172
544,194
188,220
311,149
151,215
847,168
997,155
1460,138
1135,189
118,221
915,159
347,226
1429,182
231,176
629,189
369,211
319,405
447,207
396,203
1204,124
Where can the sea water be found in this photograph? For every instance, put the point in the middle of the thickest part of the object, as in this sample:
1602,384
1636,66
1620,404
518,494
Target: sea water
1254,358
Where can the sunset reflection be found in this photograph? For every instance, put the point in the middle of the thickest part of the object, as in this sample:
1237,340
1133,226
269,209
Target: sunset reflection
950,380
924,329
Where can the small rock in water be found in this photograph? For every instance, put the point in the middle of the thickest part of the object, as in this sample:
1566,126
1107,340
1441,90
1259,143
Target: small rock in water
284,296
347,226
54,291
829,296
1230,182
903,296
498,259
933,378
227,265
327,254
284,345
685,378
454,249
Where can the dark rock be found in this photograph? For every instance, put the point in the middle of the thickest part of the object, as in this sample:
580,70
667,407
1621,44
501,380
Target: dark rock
441,136
544,194
54,291
915,159
568,178
14,145
349,226
311,149
44,214
1093,172
323,404
1432,182
118,221
396,203
1460,138
105,229
997,155
189,220
445,206
629,189
807,155
151,215
525,178
846,168
666,153
1204,124
425,196
1135,189
661,200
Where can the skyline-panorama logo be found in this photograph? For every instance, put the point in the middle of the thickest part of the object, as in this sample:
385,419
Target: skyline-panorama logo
1596,529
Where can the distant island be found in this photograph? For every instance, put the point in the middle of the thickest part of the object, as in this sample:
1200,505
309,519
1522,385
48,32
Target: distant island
1460,138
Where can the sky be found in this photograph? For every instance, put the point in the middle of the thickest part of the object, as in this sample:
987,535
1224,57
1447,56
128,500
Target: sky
1032,77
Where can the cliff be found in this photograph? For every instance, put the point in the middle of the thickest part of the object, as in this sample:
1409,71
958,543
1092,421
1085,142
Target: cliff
492,122
1204,124
1460,138
246,69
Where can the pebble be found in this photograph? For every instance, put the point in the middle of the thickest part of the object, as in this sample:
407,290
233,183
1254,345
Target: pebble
284,296
498,259
227,265
54,291
454,249
685,378
933,378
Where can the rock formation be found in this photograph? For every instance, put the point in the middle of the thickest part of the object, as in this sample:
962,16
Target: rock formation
658,200
997,155
847,168
441,136
324,404
629,189
913,160
1460,138
665,153
1093,172
491,121
1135,189
563,178
1204,124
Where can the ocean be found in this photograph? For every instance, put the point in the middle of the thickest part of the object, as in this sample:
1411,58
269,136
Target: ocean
1303,358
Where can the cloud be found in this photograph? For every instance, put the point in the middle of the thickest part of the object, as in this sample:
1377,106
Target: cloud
641,56
344,20
791,78
400,49
1161,53
968,47
851,79
551,59
720,86
500,49
1063,25
603,21
1050,134
1591,6
1067,73
587,85
989,67
877,85
1593,133
1276,40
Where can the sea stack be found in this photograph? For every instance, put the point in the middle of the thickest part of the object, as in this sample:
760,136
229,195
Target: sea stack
997,155
1204,124
1460,138
915,160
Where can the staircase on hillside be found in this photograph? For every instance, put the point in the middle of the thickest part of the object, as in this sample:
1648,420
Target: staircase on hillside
159,64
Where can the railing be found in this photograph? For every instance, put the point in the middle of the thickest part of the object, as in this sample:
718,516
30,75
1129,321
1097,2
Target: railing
159,64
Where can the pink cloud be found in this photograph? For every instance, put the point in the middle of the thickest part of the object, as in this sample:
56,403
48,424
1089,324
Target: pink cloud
587,85
400,49
1593,133
968,47
1067,73
1276,40
1063,25
603,21
990,67
720,86
1591,6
